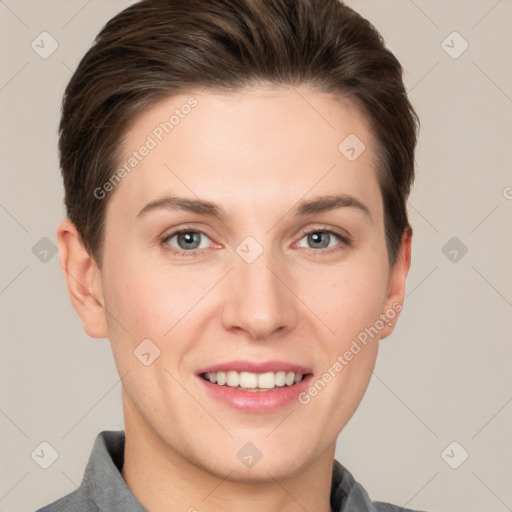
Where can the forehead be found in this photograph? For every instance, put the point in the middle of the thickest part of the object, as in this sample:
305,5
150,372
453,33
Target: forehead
246,147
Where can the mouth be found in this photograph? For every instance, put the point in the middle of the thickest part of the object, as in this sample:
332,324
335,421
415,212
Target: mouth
256,387
255,382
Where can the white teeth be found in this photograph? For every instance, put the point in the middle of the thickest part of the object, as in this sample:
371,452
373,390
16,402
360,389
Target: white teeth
266,380
248,380
281,378
212,377
232,379
253,381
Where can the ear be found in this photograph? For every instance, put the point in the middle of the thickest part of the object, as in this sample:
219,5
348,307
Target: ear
83,279
396,287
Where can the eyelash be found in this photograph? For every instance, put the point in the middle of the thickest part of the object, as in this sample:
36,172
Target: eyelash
327,250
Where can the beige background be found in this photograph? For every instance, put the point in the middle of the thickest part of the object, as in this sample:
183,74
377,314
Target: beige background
443,376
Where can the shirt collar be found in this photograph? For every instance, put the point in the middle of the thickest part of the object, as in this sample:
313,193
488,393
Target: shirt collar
103,482
347,494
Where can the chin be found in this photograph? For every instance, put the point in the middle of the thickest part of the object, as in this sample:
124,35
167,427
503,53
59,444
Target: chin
250,465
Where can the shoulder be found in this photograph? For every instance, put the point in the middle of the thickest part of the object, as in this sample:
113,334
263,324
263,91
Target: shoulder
102,484
73,502
348,495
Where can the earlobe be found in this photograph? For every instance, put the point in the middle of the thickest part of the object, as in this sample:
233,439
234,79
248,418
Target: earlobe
83,280
397,279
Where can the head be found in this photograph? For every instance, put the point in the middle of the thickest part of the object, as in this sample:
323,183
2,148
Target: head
199,143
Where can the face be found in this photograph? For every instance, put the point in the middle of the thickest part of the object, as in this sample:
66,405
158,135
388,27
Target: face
245,245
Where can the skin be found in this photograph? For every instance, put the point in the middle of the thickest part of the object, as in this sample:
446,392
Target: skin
256,153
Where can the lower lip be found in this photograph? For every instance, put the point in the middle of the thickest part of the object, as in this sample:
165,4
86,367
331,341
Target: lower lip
257,401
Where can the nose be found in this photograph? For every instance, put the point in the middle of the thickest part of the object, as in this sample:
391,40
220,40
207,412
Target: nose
259,299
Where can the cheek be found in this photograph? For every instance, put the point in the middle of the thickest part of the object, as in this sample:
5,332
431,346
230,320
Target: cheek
348,298
148,299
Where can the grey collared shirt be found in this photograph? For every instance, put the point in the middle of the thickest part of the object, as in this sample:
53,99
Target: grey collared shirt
103,488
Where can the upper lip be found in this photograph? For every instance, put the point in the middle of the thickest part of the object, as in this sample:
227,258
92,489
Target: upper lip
255,367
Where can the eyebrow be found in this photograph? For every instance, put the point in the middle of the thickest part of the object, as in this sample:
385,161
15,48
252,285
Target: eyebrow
317,205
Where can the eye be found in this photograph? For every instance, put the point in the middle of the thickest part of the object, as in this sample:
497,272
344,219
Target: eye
321,239
187,241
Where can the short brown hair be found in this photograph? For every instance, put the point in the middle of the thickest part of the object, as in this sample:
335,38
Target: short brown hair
157,48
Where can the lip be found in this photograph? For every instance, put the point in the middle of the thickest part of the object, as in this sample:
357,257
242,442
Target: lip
257,401
255,367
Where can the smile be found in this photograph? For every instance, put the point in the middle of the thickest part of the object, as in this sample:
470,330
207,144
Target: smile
248,381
